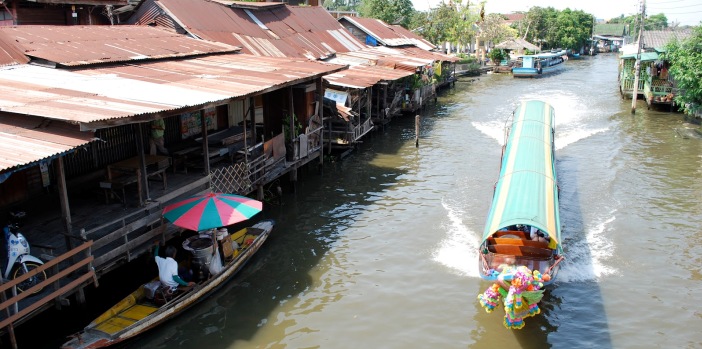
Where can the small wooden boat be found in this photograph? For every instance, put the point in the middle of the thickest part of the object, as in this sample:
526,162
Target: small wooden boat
142,310
521,245
534,66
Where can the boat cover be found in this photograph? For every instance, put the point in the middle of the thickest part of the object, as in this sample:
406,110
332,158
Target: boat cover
527,190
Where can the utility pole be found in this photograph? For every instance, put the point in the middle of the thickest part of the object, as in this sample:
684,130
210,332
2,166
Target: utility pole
637,69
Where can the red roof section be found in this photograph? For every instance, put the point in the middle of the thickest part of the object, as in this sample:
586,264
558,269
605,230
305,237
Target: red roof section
26,139
388,35
10,53
263,30
81,45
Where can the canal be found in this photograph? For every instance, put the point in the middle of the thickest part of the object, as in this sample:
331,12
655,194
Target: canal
379,250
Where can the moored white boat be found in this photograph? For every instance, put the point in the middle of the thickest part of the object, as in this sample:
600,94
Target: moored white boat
534,66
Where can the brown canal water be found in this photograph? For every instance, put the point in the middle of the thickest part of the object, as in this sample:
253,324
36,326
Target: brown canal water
379,250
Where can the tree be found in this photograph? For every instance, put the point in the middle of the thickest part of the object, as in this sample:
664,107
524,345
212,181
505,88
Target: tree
493,29
541,29
656,22
573,29
686,58
389,11
446,23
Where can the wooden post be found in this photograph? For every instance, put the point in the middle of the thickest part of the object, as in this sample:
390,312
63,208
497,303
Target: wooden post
143,178
637,70
252,115
320,112
63,197
416,131
205,145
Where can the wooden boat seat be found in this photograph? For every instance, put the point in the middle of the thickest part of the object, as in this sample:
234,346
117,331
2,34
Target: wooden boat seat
518,233
518,242
526,251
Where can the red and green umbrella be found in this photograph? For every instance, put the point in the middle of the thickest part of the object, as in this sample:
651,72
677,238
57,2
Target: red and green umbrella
211,210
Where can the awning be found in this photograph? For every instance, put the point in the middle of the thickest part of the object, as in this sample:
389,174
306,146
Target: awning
363,76
645,56
26,140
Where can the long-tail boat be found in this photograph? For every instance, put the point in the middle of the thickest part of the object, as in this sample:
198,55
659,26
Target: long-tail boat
521,246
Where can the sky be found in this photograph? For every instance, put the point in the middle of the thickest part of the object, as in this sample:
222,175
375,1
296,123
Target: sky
686,12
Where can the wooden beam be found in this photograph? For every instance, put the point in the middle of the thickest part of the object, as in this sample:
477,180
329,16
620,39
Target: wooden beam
63,198
46,299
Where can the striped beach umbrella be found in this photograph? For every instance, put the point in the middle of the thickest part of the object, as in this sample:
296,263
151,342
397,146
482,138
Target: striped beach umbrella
211,210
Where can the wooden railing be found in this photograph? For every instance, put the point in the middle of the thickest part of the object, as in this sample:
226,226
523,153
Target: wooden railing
121,238
83,268
124,246
360,130
628,85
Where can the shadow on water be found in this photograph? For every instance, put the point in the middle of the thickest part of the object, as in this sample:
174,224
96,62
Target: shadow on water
309,220
570,306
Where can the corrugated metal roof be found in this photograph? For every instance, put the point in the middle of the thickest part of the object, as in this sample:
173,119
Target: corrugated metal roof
265,30
363,76
10,54
658,39
610,29
420,53
84,2
81,45
27,139
107,93
388,35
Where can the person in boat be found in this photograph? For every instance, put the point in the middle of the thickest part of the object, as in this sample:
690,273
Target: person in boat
538,235
168,270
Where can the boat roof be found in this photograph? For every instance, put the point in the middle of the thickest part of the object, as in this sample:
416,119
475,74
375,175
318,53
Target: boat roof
527,190
546,54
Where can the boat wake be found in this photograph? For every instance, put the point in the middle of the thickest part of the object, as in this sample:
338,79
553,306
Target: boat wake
458,249
587,254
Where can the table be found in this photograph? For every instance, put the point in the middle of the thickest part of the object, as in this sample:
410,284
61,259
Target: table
124,172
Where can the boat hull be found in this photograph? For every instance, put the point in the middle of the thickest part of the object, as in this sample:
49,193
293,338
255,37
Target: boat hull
99,335
536,73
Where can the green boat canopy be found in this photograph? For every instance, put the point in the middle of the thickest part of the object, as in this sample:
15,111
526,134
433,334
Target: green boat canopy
526,192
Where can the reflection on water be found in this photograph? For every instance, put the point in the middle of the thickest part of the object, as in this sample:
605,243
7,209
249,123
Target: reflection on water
379,250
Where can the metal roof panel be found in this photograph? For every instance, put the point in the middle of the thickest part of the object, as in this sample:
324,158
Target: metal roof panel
81,45
28,139
105,93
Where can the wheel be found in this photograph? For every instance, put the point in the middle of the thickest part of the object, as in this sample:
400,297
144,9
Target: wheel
29,283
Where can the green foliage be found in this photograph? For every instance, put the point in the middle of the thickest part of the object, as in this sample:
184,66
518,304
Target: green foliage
656,22
497,56
559,29
466,59
653,22
286,127
340,5
493,29
389,11
686,59
448,22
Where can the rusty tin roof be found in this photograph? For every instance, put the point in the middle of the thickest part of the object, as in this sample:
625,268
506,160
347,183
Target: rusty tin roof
263,30
81,45
27,139
363,76
98,97
10,53
388,35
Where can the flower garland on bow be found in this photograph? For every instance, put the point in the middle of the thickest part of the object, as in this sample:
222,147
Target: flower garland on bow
520,289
